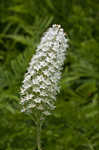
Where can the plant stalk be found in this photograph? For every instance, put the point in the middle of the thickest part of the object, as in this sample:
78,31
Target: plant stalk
39,136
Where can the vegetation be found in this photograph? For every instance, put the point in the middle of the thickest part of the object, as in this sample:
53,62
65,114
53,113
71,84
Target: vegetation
74,125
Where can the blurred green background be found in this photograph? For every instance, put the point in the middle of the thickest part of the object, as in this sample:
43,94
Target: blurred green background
74,125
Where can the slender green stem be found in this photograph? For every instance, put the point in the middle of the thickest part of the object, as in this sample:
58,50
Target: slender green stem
39,136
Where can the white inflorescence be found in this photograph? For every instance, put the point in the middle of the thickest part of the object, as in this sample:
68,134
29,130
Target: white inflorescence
40,85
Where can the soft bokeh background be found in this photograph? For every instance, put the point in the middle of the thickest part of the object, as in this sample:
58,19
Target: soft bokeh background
74,125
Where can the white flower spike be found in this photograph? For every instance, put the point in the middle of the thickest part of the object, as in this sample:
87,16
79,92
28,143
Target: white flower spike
40,85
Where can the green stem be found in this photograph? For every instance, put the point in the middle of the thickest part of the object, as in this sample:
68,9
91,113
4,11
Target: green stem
39,136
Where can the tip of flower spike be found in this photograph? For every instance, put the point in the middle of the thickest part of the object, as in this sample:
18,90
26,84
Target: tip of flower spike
59,27
56,26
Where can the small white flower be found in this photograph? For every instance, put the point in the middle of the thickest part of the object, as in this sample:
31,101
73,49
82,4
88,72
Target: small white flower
42,87
48,59
42,63
37,90
46,113
23,110
32,72
31,106
40,107
42,93
37,100
46,73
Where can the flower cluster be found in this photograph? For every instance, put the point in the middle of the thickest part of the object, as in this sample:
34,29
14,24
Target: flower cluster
40,85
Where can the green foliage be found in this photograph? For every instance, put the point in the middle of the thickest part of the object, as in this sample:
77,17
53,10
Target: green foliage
75,123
